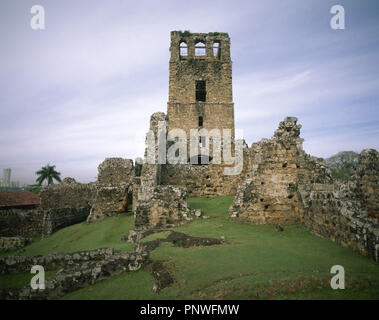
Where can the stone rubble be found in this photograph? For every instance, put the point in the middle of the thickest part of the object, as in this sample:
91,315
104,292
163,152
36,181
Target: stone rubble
79,270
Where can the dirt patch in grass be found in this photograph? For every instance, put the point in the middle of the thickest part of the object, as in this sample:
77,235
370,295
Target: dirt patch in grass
183,240
160,273
178,239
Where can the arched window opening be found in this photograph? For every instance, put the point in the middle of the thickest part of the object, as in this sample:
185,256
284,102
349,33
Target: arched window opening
216,49
200,50
183,49
200,121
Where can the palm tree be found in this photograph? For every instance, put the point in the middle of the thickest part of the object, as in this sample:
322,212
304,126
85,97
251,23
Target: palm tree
47,173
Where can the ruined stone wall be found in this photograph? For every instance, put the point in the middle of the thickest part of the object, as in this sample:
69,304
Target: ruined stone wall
12,243
71,202
115,171
334,211
76,270
202,180
21,222
55,219
110,200
114,183
65,204
367,175
158,206
276,167
62,205
345,212
166,208
68,194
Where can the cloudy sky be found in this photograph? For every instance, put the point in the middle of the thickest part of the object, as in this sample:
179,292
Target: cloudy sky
84,88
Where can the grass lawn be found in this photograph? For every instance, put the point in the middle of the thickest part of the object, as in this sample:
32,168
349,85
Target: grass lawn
257,263
83,236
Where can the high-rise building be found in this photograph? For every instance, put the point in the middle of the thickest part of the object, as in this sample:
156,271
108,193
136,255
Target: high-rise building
6,177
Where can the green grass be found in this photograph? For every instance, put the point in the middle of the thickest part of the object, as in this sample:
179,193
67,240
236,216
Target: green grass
155,236
20,280
83,236
257,263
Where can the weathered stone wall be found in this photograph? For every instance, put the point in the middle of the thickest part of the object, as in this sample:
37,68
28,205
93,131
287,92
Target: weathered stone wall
115,171
201,180
11,243
334,211
110,200
70,201
65,204
21,222
166,208
79,269
53,261
55,219
215,70
68,194
114,182
62,205
158,206
367,174
276,167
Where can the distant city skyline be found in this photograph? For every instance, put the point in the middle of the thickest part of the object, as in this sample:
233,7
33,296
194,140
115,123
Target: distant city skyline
5,180
83,89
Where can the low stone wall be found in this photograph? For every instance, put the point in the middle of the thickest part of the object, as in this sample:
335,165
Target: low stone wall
11,243
21,222
334,211
55,219
37,222
54,261
79,269
106,197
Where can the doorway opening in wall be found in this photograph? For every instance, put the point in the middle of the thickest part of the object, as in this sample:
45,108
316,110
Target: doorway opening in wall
201,92
129,202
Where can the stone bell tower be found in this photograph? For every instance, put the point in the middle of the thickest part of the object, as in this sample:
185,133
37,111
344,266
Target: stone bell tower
200,85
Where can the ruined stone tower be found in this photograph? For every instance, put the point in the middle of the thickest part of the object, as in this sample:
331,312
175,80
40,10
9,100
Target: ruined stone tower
200,85
200,97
